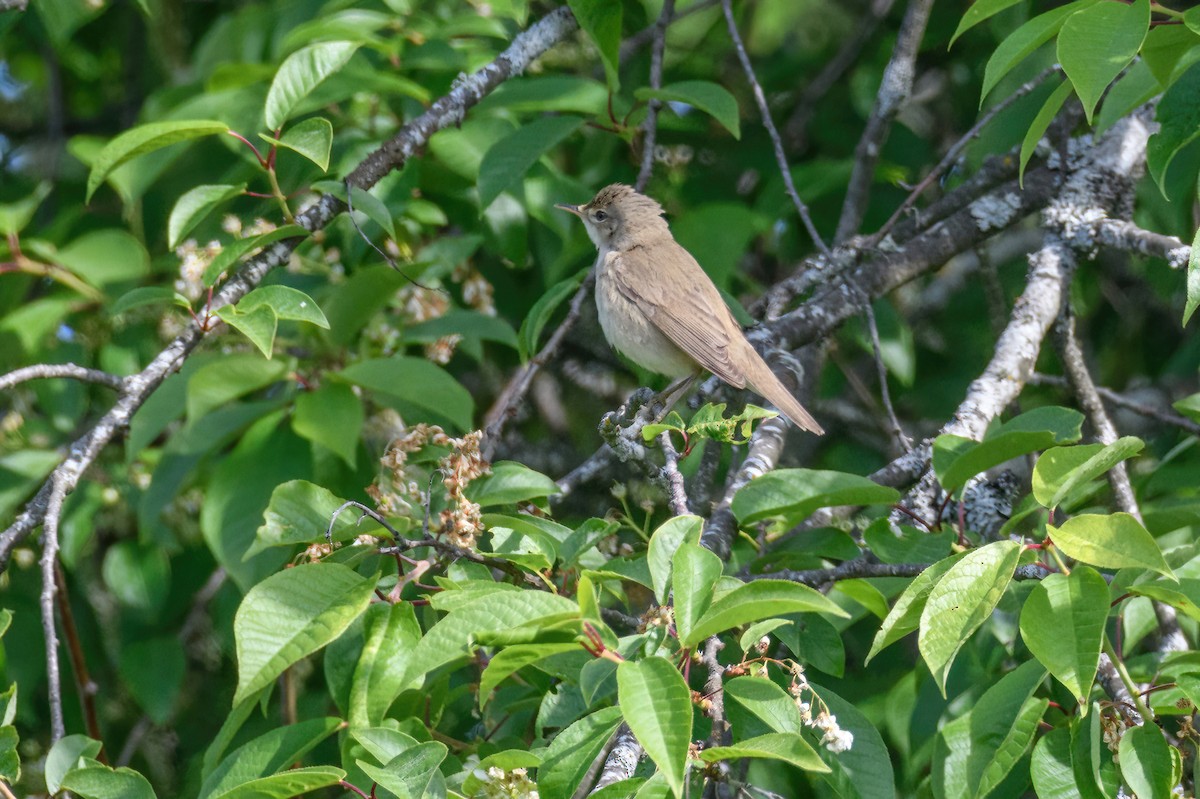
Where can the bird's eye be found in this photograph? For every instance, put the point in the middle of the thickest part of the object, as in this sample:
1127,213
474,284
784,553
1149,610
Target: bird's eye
600,216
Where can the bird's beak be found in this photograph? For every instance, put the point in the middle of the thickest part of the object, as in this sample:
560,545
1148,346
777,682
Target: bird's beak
574,209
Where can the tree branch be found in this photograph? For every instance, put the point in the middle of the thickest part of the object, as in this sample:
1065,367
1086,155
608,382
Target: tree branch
50,370
894,90
650,125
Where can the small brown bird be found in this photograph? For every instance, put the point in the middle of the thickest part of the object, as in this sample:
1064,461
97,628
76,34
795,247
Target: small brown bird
661,310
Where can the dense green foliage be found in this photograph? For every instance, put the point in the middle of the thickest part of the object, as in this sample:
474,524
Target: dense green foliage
228,627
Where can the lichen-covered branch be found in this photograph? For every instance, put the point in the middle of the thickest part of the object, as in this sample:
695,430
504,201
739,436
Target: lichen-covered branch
894,90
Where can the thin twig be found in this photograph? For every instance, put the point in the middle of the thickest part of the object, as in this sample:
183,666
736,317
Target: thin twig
858,568
1163,415
881,368
84,684
514,392
761,99
955,151
650,125
49,629
51,370
893,91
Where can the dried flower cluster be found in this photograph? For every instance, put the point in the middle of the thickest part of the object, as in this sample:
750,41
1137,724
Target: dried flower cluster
477,292
419,304
833,737
442,350
460,521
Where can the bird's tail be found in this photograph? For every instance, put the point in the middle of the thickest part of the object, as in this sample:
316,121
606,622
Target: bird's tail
764,382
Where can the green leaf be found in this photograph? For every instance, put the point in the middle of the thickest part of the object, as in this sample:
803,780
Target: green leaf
390,636
1114,541
468,324
1062,470
16,215
979,11
1189,407
531,329
258,325
1148,764
789,747
711,98
286,302
508,160
657,706
266,755
510,482
865,770
911,546
1099,41
287,784
153,671
956,459
1037,128
797,493
1062,623
375,209
234,250
292,614
67,753
669,536
299,74
1193,279
1050,767
144,139
905,615
137,574
1183,596
416,384
195,204
962,601
694,572
1191,18
331,416
512,659
710,422
977,750
103,257
572,751
102,782
410,772
1023,41
758,600
1178,114
312,138
452,638
560,93
220,382
601,21
10,758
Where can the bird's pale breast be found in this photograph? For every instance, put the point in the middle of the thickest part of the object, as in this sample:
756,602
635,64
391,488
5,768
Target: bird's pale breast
632,334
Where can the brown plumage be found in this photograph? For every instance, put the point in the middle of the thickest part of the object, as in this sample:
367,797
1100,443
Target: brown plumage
661,310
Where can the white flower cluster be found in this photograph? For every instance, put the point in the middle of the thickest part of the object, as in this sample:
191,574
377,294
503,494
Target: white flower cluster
833,737
501,784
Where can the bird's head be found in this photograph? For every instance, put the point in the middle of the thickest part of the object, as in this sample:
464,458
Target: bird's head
619,217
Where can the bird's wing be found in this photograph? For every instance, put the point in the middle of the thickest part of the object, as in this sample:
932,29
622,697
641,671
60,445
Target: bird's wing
687,308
